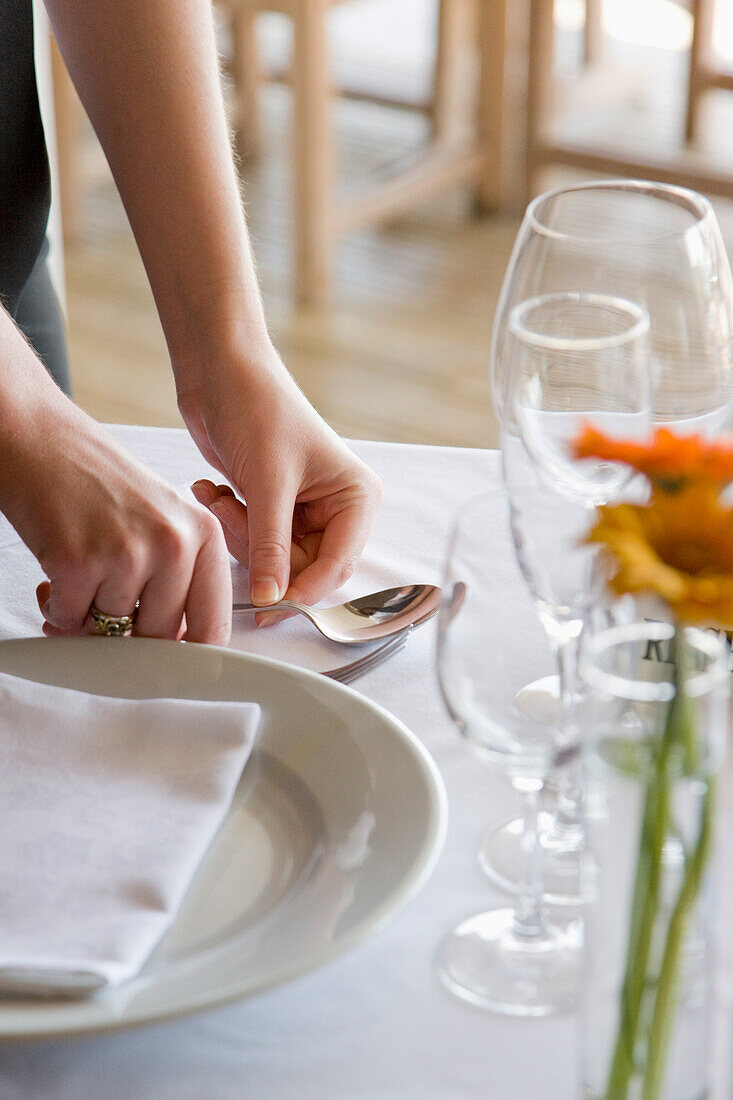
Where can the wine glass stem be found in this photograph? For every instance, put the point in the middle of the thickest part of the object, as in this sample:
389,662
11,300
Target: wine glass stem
529,921
568,817
569,814
566,654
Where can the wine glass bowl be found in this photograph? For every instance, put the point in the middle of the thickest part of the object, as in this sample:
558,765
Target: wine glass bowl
571,359
656,245
510,959
660,248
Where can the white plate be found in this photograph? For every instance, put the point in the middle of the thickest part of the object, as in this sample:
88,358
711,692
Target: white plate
336,824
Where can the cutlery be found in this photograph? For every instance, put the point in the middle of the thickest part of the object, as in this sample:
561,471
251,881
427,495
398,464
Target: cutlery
346,674
367,618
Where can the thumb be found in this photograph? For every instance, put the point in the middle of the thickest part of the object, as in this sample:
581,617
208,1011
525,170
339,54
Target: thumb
270,520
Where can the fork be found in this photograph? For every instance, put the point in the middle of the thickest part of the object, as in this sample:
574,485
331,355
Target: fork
345,674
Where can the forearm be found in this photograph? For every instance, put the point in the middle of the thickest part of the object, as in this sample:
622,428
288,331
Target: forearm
27,394
148,76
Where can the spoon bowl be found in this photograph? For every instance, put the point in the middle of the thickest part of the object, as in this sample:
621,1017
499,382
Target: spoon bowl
367,618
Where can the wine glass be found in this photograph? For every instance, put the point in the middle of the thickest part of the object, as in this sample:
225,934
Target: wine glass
656,245
571,357
659,247
510,959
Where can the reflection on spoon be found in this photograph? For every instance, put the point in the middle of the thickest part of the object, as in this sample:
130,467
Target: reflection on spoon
377,615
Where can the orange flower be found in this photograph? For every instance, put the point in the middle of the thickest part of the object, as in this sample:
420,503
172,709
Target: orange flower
667,458
679,547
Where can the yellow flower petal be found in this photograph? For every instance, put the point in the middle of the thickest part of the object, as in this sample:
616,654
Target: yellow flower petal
678,547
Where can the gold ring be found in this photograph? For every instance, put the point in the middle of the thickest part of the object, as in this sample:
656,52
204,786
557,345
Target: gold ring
112,625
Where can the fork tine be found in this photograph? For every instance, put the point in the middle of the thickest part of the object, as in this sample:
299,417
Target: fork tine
373,661
349,673
345,674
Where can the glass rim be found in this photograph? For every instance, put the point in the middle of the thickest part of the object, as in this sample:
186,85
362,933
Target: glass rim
697,683
636,330
684,197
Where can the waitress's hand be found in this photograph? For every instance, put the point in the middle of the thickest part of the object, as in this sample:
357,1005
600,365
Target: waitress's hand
307,501
108,532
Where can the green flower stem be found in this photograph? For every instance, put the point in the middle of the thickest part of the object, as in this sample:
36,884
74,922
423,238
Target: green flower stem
644,908
645,905
661,1025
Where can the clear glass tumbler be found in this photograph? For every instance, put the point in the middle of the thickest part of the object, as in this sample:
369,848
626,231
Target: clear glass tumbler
657,723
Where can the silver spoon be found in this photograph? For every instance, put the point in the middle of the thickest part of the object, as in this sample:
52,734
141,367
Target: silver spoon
368,618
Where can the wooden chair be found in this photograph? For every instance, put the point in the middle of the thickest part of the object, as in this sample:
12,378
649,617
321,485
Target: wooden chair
449,158
705,71
471,36
543,151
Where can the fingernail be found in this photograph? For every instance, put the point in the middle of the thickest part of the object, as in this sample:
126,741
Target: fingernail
271,618
219,512
265,590
265,620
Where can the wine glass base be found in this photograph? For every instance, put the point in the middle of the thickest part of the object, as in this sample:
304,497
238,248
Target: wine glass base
502,854
540,700
485,962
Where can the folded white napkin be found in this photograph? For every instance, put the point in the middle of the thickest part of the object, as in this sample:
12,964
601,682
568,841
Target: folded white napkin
106,809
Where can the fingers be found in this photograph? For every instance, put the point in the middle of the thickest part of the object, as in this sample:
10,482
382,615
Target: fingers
258,534
209,604
64,600
118,594
231,513
164,594
178,573
270,516
43,595
340,547
320,560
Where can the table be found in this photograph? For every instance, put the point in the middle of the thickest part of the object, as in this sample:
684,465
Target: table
374,1024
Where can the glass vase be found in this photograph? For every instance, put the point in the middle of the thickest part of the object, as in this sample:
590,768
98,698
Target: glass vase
656,719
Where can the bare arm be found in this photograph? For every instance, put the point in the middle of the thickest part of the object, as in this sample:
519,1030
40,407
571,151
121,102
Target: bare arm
148,76
103,528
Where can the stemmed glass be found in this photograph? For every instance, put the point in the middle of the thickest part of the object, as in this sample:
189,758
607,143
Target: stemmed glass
572,357
660,248
510,959
655,245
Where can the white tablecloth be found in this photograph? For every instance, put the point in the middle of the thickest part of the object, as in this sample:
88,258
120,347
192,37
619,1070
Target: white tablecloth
375,1023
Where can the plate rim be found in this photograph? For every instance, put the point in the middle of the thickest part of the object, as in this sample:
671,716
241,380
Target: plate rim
369,926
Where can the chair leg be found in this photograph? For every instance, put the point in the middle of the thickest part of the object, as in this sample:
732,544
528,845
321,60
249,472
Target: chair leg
539,88
593,32
453,60
703,17
247,77
313,154
492,93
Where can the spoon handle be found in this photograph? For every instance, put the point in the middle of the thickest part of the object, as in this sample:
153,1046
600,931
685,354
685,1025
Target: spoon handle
283,605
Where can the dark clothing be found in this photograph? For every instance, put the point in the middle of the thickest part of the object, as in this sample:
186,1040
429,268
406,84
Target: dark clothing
25,193
25,184
37,314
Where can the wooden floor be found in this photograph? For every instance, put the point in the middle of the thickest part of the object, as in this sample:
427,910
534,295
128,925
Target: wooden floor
402,351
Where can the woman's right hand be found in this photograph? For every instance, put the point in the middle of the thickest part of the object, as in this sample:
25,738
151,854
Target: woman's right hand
107,531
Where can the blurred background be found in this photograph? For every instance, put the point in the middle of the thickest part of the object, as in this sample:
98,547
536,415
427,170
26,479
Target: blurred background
387,149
